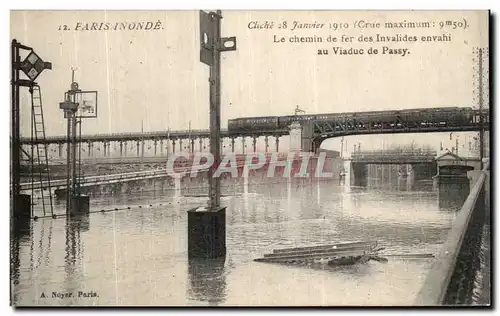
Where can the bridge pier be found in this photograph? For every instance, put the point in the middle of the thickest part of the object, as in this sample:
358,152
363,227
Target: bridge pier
192,144
254,144
266,141
277,143
409,171
316,145
155,144
201,144
180,145
243,144
357,174
121,149
307,137
60,151
232,144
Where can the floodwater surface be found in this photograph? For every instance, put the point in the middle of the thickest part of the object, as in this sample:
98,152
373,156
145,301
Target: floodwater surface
138,256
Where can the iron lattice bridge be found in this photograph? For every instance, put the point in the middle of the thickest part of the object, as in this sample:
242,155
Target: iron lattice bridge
319,127
365,125
161,135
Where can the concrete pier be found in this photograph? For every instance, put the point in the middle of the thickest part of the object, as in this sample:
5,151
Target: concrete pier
207,233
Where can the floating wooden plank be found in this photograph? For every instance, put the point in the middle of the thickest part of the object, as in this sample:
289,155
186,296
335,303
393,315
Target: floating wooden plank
411,255
326,255
320,252
331,246
360,250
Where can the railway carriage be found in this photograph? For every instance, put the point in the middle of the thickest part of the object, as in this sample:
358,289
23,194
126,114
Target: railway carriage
398,119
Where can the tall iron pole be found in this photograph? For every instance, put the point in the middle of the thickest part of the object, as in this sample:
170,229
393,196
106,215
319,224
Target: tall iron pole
214,182
207,227
72,139
481,120
79,153
74,147
68,161
16,164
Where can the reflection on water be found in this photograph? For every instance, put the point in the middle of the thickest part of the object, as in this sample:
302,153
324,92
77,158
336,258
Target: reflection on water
139,256
20,235
72,258
207,280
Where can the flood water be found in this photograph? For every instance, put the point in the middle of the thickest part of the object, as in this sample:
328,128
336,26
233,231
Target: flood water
138,256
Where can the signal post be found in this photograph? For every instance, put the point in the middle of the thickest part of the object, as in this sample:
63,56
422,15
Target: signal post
32,66
77,105
207,225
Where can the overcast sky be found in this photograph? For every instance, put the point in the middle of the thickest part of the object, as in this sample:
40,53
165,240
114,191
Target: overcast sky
156,76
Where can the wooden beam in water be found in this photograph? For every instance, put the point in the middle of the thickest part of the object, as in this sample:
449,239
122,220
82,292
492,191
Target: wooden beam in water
358,249
311,256
337,246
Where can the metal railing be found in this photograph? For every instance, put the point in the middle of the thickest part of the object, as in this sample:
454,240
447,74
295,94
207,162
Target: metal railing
452,275
138,175
97,179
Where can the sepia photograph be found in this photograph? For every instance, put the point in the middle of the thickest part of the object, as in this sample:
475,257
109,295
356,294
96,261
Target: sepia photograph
250,158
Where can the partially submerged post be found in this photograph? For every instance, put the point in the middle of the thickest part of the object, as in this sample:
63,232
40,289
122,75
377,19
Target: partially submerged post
207,226
32,66
74,112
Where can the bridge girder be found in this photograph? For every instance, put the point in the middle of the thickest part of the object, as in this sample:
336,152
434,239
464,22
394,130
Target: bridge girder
122,137
351,126
321,136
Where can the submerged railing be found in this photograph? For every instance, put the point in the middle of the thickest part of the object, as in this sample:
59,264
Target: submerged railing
451,280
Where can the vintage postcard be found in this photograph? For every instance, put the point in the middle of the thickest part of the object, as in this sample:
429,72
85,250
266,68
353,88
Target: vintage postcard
250,158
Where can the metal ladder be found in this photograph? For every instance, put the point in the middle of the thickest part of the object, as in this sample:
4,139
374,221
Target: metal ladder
39,156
